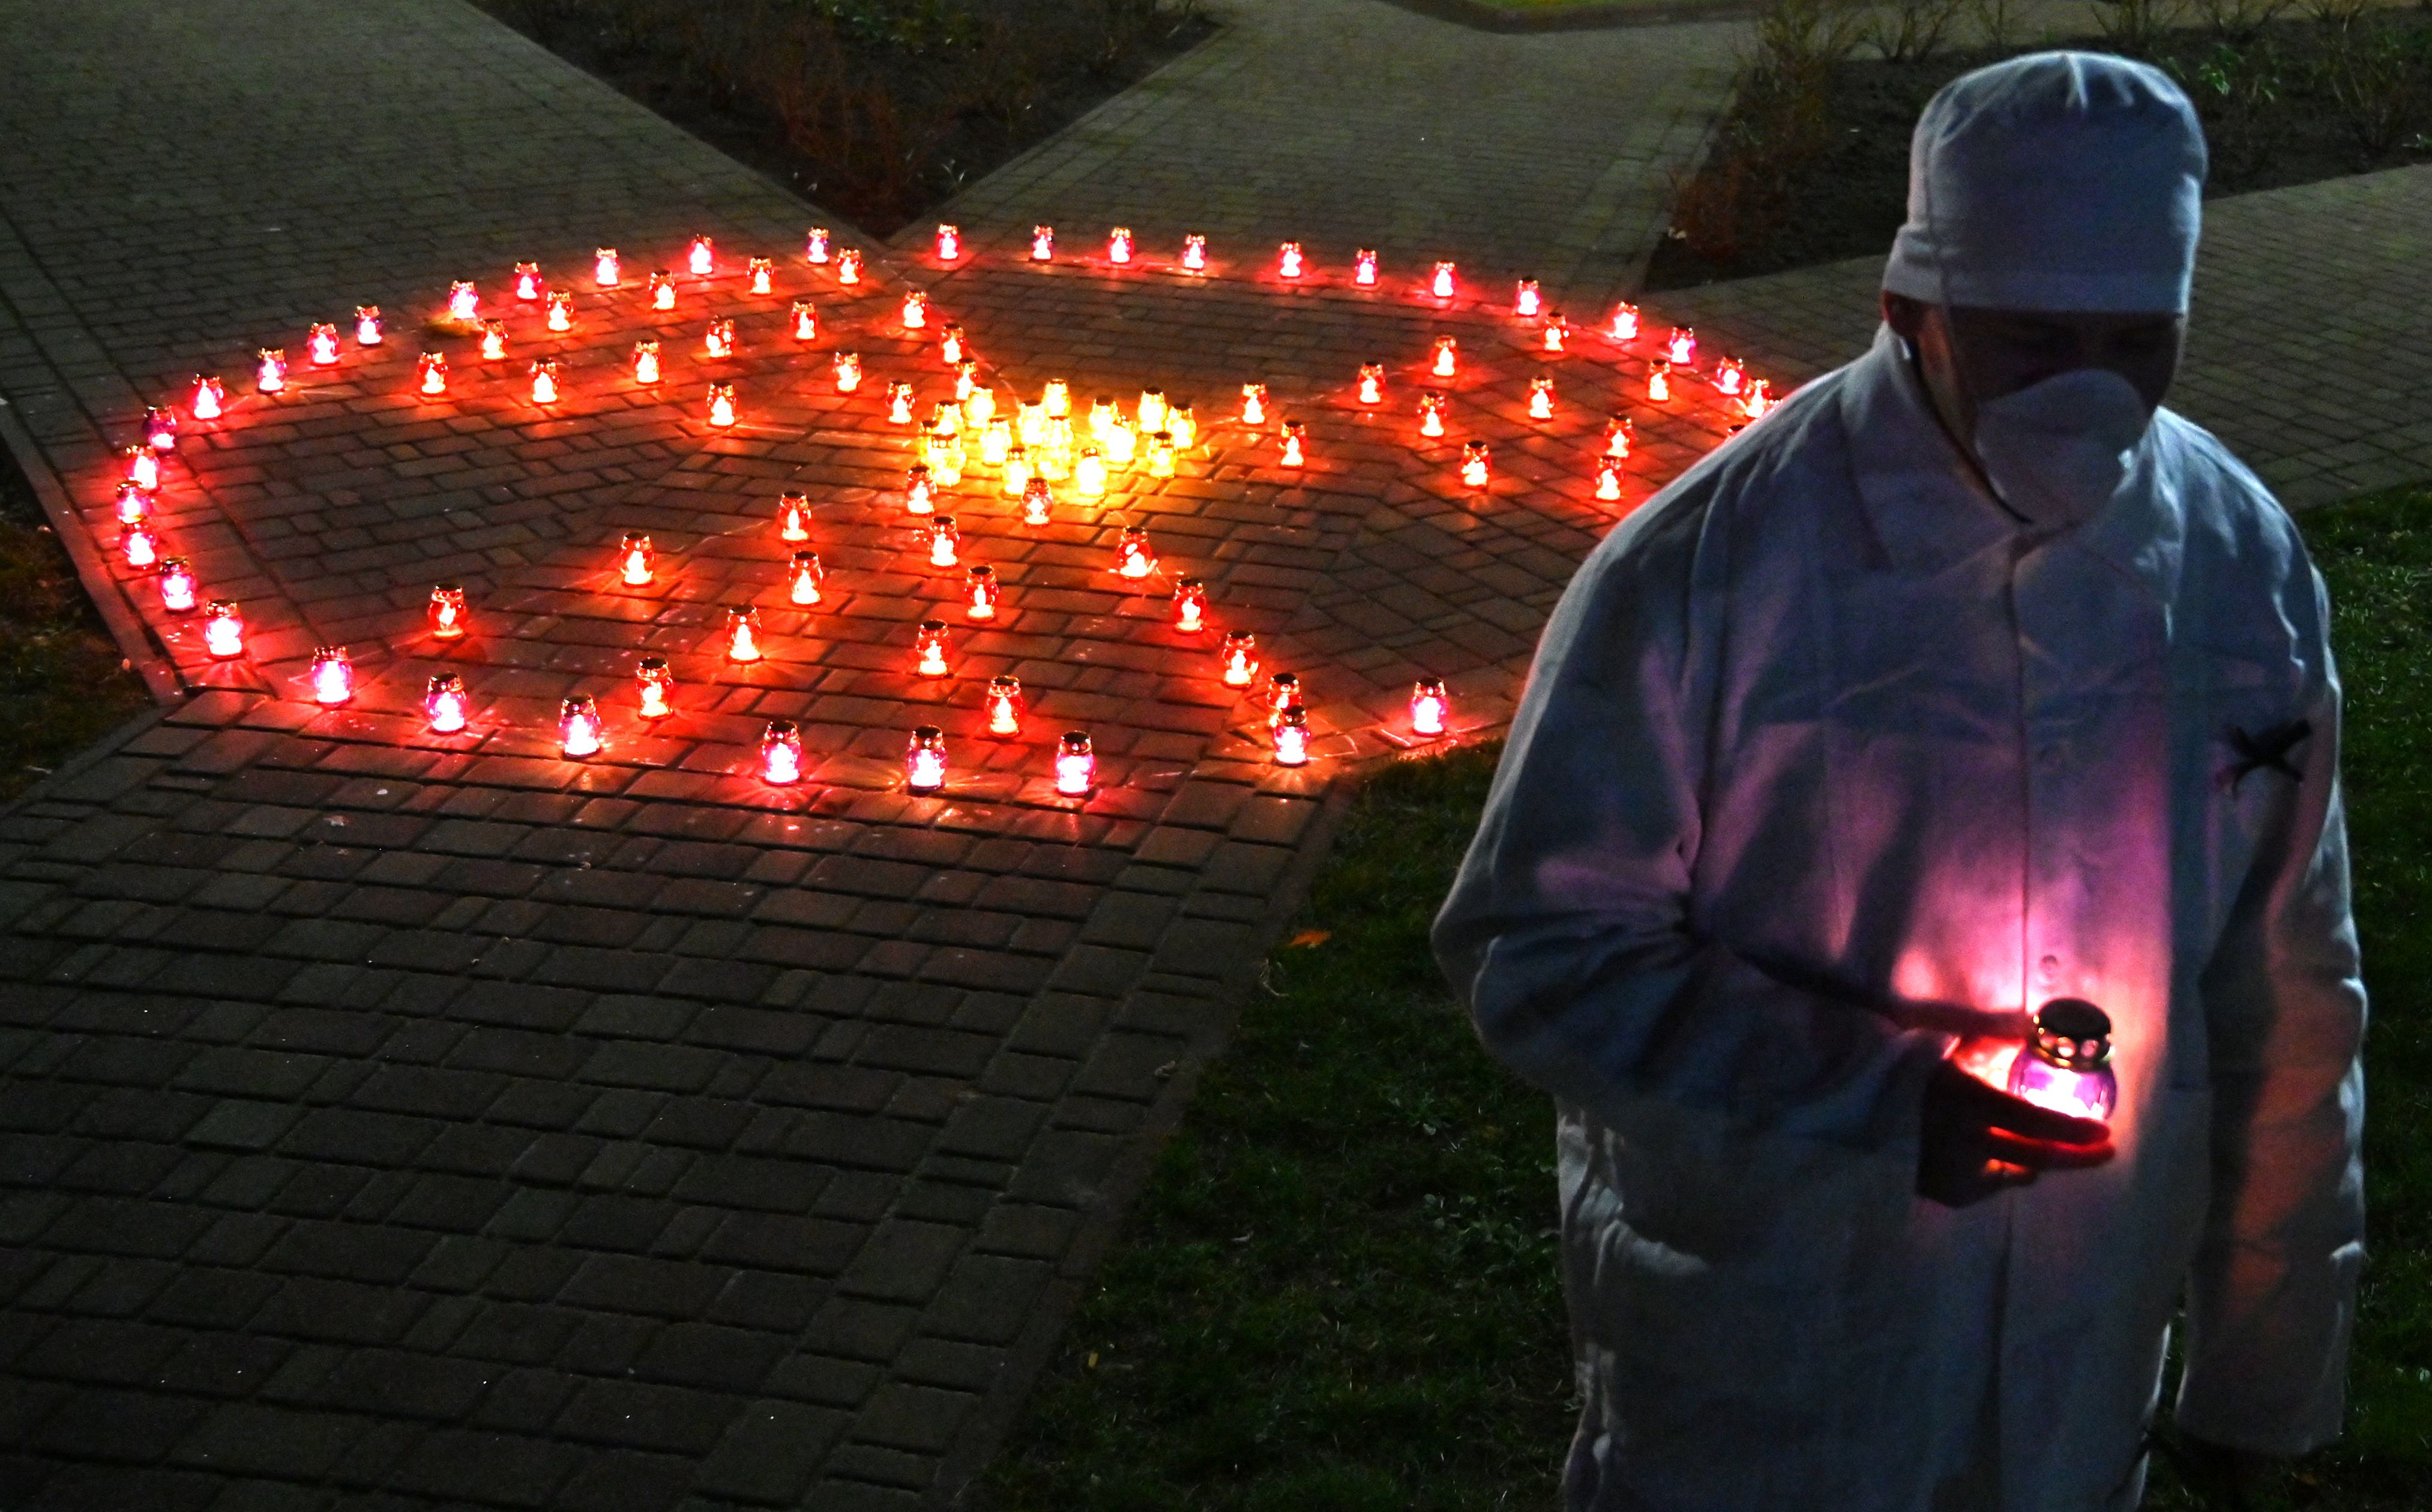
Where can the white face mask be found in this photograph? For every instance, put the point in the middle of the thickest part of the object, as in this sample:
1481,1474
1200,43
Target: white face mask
2057,450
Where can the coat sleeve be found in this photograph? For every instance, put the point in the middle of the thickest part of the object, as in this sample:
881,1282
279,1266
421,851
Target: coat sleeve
2271,1298
1569,930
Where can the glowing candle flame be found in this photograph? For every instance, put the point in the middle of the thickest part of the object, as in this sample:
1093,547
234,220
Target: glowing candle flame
1090,474
529,287
950,351
1283,696
1018,474
1030,424
1364,268
1428,707
929,643
1617,436
321,345
606,271
702,256
143,466
1682,346
1372,384
442,703
1056,399
966,384
494,341
1659,382
924,759
1194,254
815,245
979,406
446,614
543,384
142,547
1475,469
1037,500
980,592
463,303
806,321
1288,262
793,517
1077,767
1728,377
996,443
1541,398
270,370
1292,738
332,676
943,539
1042,243
367,326
560,311
920,493
635,560
1162,454
1625,323
1760,399
134,502
223,630
1254,404
1182,425
1004,705
1448,359
655,686
950,243
1608,479
210,399
646,362
847,372
1441,284
1293,453
743,634
1557,335
430,374
718,341
1133,555
1118,247
159,427
1189,606
803,579
1241,659
780,753
899,403
763,272
848,267
1432,414
1526,303
916,310
578,727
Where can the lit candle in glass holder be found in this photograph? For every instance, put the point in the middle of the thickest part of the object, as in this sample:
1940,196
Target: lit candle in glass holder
494,341
916,310
1541,398
848,267
1617,434
1283,696
702,256
321,345
1029,424
793,517
1476,470
544,381
223,630
1162,454
1042,243
646,362
780,753
332,676
1608,485
899,404
950,243
1194,254
1019,474
1241,659
1680,348
142,549
1624,326
143,466
463,303
134,502
578,727
1077,767
1254,404
442,703
1294,451
1729,378
1556,335
1432,414
1659,382
919,493
560,311
1004,705
159,427
209,399
980,594
949,464
1133,558
529,287
1760,399
635,560
655,686
1118,247
176,581
967,383
1189,606
996,443
1090,474
1441,284
1037,500
1364,268
1372,383
1288,262
430,375
815,245
1152,411
1055,399
942,538
803,579
847,372
950,351
1123,443
270,370
606,270
924,759
1526,303
2066,1064
1428,707
764,273
1292,738
367,326
946,420
447,612
1182,425
929,647
743,634
806,321
718,341
1447,361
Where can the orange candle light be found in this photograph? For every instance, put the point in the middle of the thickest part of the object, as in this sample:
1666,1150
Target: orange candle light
920,493
1241,659
1476,470
1292,738
1556,335
1042,243
1162,454
950,243
447,612
1189,606
966,384
1442,285
1004,705
1729,378
606,270
1123,443
780,753
1760,399
560,311
1608,484
1659,382
1526,303
529,287
764,273
494,341
578,727
806,321
544,381
321,345
1118,247
1624,325
637,563
1283,696
442,703
1254,404
208,398
1428,707
332,677
1182,425
743,634
430,375
899,403
134,502
1618,433
848,267
815,245
142,548
1372,383
1090,474
916,310
1019,474
793,517
646,362
1432,414
718,341
270,370
924,759
1194,254
1294,452
176,581
929,647
1133,558
223,630
980,592
1682,346
1288,262
847,372
367,326
1076,767
1541,398
463,303
1364,268
803,579
1447,361
143,466
656,687
942,539
1037,500
702,256
950,351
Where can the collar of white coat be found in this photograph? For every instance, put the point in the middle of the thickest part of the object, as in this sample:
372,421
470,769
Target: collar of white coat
1928,509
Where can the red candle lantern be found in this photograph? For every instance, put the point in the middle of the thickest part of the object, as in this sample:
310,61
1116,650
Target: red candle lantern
1526,303
1557,335
1294,453
1476,470
980,592
143,466
1659,382
1189,606
1288,262
529,287
763,272
447,612
430,375
1372,384
635,560
663,290
1364,268
1283,696
718,341
1625,323
223,630
367,326
494,341
1441,284
442,703
929,646
815,245
1194,254
656,687
942,538
1118,247
1681,349
847,372
134,502
1042,243
780,753
1448,359
1432,414
1729,378
1541,398
1240,656
1076,765
950,351
916,310
321,345
793,517
1133,555
463,303
1617,434
1292,738
1428,707
899,403
177,585
848,267
1254,404
270,370
606,271
1004,705
646,362
920,493
578,727
560,311
806,321
950,243
924,759
208,400
543,384
743,634
1037,500
1608,485
142,549
803,579
332,676
1760,399
701,258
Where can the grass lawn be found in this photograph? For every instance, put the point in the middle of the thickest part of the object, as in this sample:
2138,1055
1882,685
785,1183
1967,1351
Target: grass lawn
1339,1290
62,681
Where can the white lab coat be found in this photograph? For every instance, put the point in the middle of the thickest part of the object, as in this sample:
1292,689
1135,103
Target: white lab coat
1823,705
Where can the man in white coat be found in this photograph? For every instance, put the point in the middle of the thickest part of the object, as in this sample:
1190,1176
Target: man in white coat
1968,679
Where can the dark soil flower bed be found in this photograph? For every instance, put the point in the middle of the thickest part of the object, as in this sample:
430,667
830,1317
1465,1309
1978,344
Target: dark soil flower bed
874,109
1811,165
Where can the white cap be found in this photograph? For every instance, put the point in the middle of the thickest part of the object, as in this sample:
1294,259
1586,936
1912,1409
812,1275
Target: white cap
2054,181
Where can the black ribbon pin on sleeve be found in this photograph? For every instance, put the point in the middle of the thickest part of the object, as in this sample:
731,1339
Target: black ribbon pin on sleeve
2264,751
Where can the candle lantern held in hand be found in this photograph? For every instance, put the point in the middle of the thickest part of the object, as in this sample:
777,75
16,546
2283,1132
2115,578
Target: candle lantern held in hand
2066,1064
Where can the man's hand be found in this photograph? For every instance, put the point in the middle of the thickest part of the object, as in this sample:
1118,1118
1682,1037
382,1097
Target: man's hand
1979,1140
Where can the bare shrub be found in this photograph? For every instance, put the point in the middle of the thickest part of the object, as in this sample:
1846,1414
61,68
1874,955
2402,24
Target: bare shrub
1781,124
1907,32
2381,74
2239,21
2138,29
